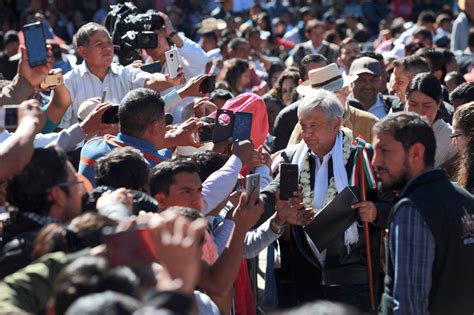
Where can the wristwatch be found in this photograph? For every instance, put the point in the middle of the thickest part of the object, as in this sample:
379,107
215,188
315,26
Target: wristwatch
277,228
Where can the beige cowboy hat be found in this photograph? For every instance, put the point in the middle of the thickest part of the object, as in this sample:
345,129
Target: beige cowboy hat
328,78
211,25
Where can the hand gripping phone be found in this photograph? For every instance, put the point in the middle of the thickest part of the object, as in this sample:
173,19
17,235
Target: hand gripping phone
172,62
288,180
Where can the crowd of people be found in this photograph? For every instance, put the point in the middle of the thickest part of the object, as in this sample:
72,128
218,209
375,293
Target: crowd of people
115,198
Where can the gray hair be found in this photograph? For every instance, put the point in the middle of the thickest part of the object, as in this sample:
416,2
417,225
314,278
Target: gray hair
82,36
323,99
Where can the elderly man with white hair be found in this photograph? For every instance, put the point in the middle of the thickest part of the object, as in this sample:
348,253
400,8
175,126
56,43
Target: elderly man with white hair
325,162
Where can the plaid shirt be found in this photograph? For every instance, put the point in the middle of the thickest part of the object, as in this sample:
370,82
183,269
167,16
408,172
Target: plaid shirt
412,248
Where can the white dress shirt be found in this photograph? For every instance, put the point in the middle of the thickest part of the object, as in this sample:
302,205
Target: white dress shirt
378,108
83,84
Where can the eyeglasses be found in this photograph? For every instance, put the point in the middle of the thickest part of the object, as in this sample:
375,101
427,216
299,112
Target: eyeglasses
456,135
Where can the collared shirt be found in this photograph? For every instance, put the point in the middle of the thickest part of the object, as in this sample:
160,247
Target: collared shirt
378,108
412,248
98,147
82,84
321,174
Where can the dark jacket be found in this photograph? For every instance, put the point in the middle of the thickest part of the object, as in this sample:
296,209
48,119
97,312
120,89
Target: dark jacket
303,269
285,122
16,245
449,214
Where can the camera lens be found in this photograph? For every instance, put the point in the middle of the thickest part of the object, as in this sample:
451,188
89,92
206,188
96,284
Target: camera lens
171,55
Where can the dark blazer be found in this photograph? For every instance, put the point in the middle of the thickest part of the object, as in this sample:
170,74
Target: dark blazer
389,101
328,50
304,270
285,122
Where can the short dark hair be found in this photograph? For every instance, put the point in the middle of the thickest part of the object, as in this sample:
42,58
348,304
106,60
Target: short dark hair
309,59
427,84
208,162
424,32
427,16
138,109
90,274
437,60
412,65
220,94
458,78
28,190
235,43
312,24
123,167
163,174
212,35
274,68
371,54
464,92
83,34
409,128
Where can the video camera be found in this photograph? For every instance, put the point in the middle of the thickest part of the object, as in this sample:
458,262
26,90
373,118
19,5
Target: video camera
131,31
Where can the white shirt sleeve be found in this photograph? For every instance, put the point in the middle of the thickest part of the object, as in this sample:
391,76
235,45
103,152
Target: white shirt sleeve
265,177
193,58
256,240
220,184
68,139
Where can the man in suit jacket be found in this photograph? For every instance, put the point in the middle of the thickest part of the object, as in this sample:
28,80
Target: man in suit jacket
324,160
316,44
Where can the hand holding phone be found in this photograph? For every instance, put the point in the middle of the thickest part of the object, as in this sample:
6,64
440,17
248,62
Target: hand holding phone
288,180
242,126
252,183
35,41
224,125
172,62
208,85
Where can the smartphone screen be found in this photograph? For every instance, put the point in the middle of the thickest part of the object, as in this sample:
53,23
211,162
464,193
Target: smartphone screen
35,44
9,116
252,182
242,126
288,180
111,115
131,248
172,62
223,127
153,67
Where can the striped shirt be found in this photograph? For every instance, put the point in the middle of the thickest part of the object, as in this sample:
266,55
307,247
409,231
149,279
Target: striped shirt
83,85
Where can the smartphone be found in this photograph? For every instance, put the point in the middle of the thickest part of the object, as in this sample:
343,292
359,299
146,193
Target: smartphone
288,180
224,125
205,133
242,126
35,41
153,67
172,62
131,248
252,182
9,116
111,115
208,85
51,81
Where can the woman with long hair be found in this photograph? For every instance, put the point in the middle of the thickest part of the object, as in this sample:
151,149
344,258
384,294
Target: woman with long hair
424,97
463,140
237,75
286,86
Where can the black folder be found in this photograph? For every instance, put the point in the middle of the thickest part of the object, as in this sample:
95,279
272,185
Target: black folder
333,219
